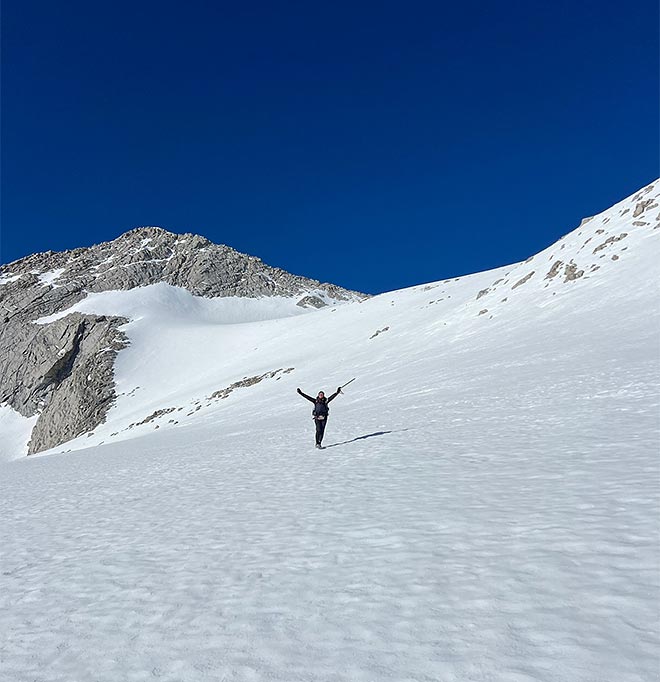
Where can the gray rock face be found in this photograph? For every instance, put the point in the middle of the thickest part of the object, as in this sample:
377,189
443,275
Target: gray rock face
63,370
148,255
78,389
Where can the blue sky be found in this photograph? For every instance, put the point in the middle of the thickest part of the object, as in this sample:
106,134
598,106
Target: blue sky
375,145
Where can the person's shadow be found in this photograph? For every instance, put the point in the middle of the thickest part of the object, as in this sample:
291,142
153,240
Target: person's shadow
368,435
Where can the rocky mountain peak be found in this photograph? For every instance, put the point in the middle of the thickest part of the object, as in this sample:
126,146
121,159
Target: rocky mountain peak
148,255
151,237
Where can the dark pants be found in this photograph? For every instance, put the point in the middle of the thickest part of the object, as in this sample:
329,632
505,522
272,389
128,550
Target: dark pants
320,428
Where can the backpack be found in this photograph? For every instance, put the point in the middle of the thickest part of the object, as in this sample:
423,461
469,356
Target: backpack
320,410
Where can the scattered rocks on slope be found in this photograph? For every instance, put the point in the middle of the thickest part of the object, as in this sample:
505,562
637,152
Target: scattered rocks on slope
154,415
246,382
379,331
642,206
526,278
554,270
611,240
571,272
311,302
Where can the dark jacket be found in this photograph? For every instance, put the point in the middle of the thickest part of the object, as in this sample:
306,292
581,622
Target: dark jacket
321,409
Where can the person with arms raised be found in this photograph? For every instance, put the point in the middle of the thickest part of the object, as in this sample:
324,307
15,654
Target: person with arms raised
320,412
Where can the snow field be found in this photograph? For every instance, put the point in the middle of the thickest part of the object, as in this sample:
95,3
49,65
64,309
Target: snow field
407,549
486,508
16,432
460,527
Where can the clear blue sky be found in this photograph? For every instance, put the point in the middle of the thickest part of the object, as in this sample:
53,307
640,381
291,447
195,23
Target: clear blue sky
376,145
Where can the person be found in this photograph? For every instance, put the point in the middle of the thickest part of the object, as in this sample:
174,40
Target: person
320,412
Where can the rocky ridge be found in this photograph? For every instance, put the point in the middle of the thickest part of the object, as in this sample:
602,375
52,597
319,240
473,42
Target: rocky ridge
63,370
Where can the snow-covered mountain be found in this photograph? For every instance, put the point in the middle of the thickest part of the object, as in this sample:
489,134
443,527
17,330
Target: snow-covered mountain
486,507
60,373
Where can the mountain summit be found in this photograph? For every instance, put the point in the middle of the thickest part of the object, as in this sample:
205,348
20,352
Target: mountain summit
148,255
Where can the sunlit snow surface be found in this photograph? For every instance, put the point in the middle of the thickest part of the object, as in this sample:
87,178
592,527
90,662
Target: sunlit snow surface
15,431
486,507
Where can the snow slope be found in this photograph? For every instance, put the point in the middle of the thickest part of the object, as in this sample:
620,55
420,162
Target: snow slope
486,507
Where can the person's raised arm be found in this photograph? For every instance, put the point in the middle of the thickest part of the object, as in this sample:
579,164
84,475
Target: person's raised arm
335,394
304,395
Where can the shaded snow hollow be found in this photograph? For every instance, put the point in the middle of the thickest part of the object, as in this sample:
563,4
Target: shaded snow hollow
486,507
